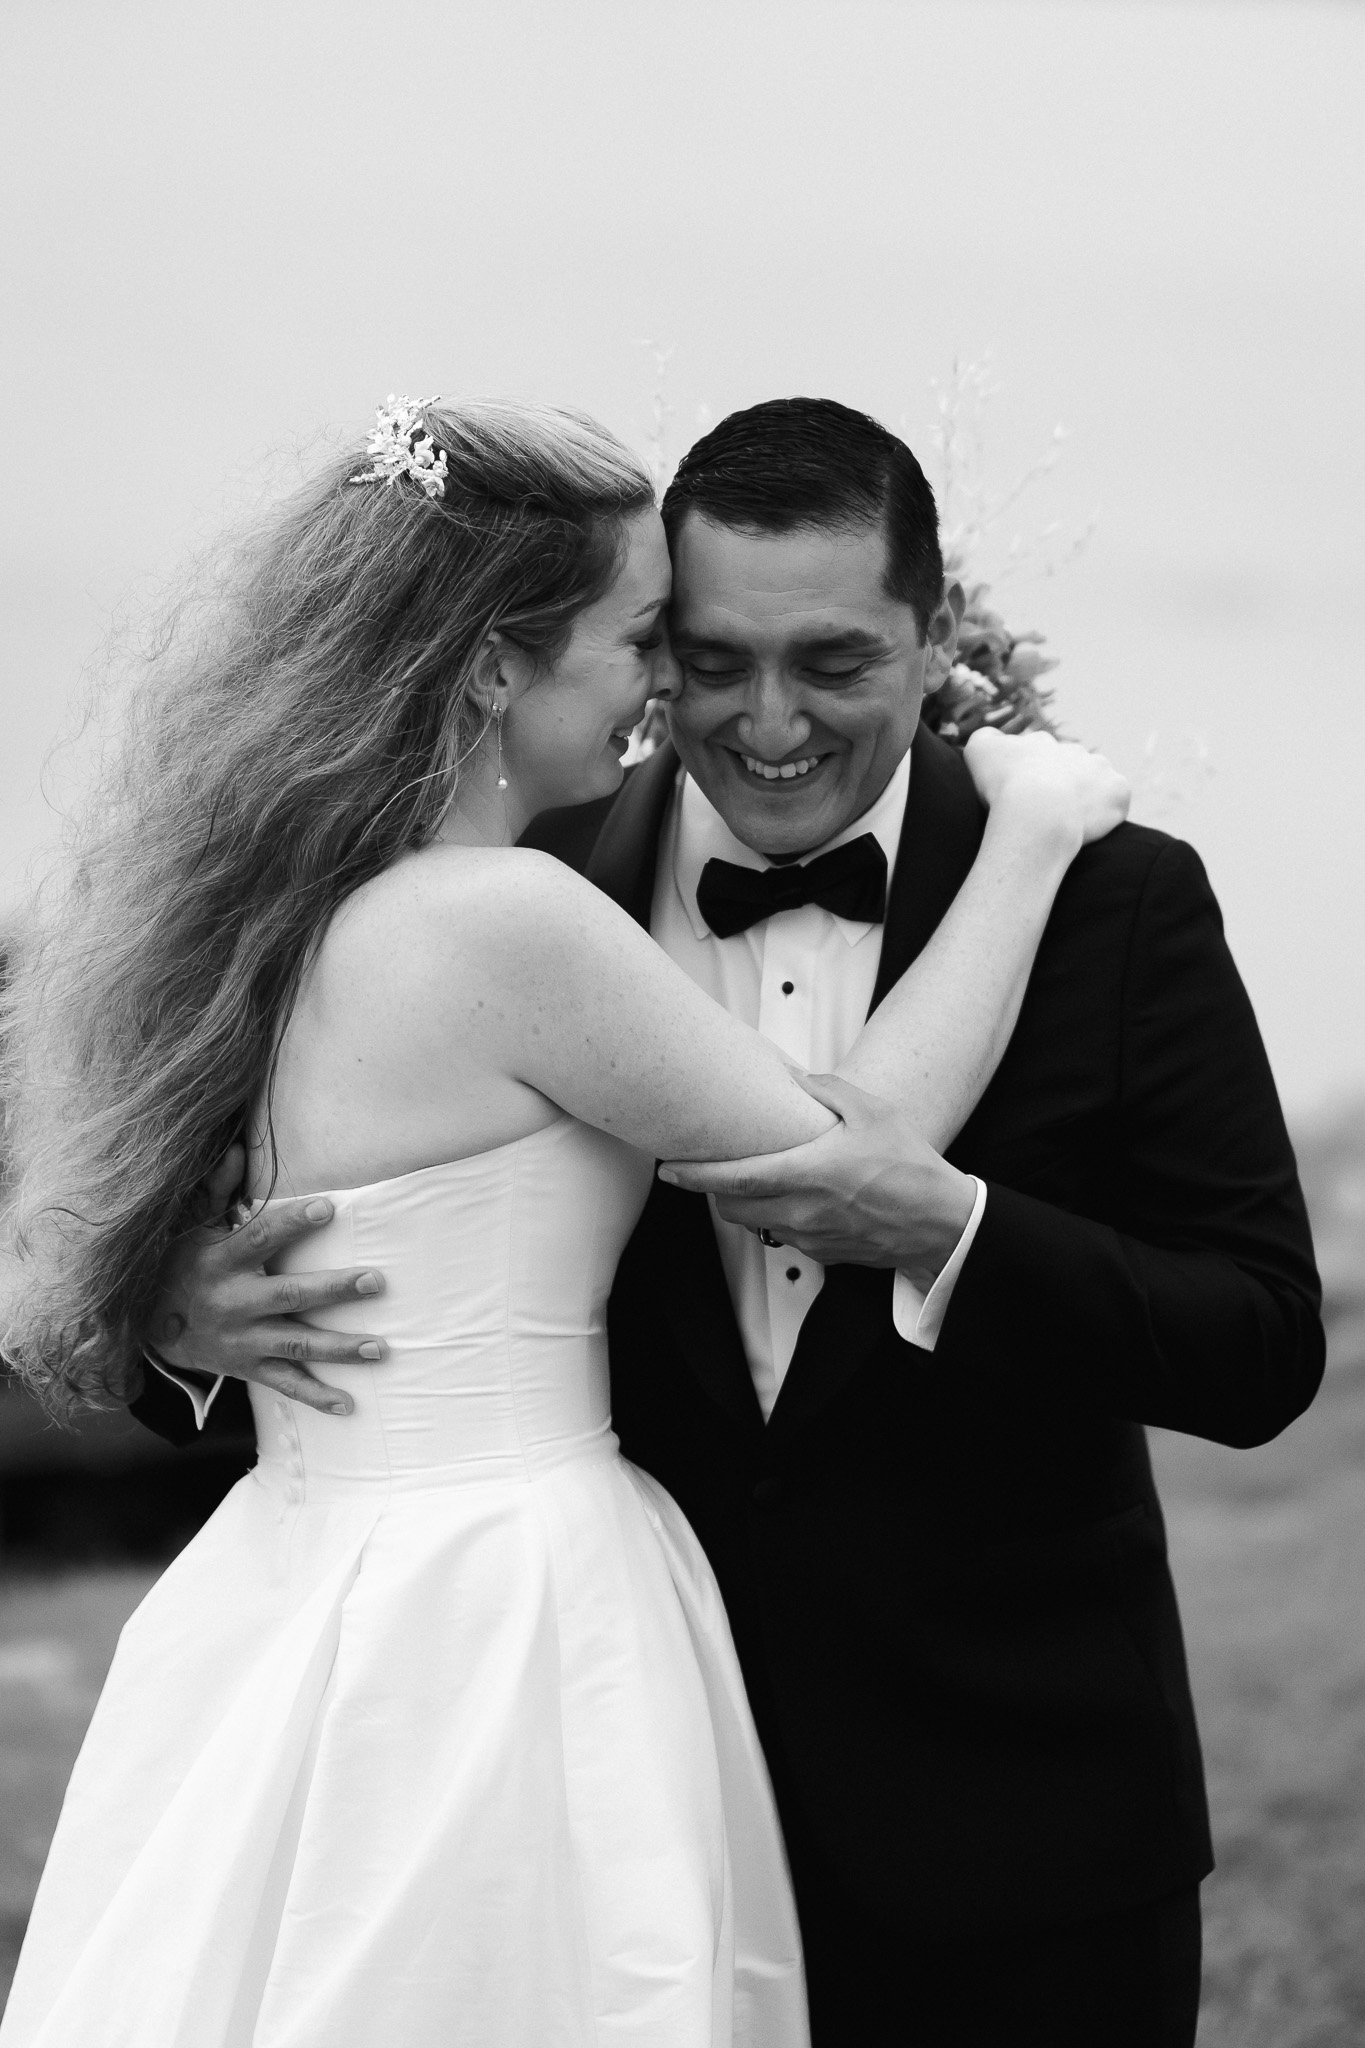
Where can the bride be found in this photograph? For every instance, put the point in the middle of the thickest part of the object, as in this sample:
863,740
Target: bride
435,1734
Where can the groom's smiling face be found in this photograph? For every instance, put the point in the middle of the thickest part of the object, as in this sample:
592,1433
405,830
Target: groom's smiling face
802,676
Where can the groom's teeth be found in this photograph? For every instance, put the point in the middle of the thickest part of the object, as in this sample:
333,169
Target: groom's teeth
787,771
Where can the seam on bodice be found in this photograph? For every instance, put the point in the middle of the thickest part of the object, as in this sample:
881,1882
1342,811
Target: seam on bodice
510,1213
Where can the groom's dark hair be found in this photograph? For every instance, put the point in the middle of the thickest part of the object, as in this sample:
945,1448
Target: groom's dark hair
794,462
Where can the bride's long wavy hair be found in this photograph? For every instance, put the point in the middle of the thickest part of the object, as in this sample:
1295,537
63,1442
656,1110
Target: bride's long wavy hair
300,722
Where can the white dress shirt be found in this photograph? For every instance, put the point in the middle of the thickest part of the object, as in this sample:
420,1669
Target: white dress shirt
804,979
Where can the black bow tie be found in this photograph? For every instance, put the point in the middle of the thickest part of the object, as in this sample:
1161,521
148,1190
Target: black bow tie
850,882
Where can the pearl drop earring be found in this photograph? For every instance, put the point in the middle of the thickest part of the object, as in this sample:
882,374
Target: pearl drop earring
497,713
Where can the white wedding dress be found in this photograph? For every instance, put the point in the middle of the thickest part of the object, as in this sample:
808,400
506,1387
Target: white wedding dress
434,1737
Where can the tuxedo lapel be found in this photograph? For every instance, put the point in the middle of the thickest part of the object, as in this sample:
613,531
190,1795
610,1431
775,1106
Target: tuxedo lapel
695,1300
626,857
943,824
675,1232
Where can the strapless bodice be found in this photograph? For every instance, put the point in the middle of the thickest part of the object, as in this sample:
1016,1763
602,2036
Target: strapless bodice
497,1270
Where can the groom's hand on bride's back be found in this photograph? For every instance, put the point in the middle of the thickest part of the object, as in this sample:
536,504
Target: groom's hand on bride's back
218,1311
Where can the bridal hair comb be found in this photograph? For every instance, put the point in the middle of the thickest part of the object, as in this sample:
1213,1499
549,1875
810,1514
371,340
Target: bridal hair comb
400,446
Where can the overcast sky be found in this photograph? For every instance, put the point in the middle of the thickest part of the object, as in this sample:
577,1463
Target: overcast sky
231,229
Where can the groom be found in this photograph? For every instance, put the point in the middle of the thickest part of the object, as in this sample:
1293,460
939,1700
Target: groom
923,1481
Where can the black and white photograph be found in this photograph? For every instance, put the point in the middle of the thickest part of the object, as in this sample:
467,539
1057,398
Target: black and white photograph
682,1024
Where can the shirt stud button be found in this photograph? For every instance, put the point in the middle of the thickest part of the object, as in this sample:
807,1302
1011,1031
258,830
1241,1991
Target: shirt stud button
789,988
793,1272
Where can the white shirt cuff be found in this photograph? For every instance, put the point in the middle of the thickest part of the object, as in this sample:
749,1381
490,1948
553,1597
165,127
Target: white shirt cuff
201,1398
919,1317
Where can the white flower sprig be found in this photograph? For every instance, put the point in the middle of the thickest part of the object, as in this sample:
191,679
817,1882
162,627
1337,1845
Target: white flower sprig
400,446
995,678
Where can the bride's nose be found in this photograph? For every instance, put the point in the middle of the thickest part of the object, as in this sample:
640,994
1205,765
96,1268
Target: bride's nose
666,676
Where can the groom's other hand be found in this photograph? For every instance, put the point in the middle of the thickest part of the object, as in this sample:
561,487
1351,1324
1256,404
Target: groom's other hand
871,1192
218,1311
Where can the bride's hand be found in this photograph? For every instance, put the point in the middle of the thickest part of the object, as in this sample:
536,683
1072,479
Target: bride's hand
1052,784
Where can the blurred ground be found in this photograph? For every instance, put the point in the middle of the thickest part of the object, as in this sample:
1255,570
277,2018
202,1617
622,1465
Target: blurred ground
1268,1548
1269,1553
57,1636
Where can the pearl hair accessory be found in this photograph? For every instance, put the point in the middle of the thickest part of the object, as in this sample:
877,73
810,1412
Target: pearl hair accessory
400,446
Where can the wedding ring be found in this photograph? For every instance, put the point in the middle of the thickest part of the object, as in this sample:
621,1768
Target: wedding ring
766,1237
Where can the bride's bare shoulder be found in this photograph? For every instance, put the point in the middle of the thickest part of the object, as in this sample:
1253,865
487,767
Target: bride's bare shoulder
448,900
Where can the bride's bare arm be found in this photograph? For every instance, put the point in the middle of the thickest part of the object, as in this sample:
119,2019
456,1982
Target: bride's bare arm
935,1041
574,999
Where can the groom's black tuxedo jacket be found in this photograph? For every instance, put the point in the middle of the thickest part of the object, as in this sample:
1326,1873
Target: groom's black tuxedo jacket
946,1573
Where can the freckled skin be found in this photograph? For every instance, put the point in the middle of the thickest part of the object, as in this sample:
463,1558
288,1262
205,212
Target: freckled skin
790,649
